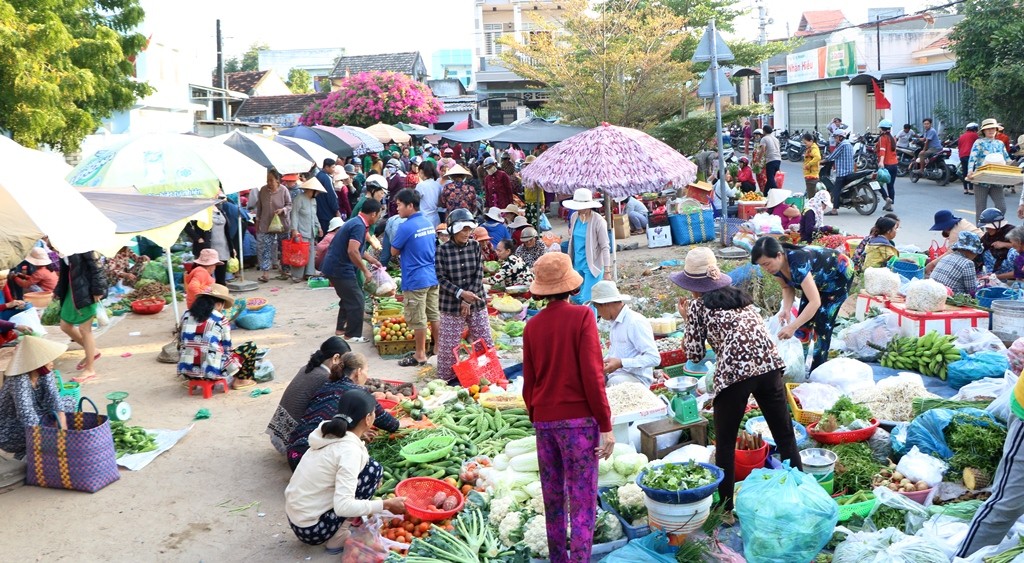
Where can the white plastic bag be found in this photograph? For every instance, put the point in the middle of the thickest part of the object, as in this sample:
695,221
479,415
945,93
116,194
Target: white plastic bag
857,339
986,388
1000,407
1016,355
973,340
766,223
917,466
881,281
384,284
817,397
926,296
888,546
944,532
846,374
791,350
916,515
29,318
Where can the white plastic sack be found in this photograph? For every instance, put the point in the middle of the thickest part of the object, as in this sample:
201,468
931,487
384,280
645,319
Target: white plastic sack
791,350
384,284
30,318
881,281
878,330
690,452
766,223
916,515
973,340
944,532
986,388
817,397
922,467
926,296
886,546
1000,407
846,374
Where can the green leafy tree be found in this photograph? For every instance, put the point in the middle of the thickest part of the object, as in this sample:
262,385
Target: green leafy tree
251,57
232,65
299,81
697,132
987,47
65,65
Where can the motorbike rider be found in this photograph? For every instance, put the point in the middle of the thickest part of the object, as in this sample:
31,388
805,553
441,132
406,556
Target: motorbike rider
842,156
964,144
836,125
903,138
932,144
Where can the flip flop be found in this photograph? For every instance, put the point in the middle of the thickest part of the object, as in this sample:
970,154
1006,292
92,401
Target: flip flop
84,379
262,279
410,362
81,364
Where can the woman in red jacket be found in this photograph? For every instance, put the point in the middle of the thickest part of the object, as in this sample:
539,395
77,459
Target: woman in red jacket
563,376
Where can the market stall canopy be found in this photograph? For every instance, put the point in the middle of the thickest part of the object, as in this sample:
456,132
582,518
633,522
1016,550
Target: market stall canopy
307,149
340,143
618,161
160,219
170,164
468,123
388,133
534,133
266,152
474,135
370,143
37,201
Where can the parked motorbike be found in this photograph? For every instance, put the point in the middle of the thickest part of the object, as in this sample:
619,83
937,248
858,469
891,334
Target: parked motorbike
860,193
906,158
934,169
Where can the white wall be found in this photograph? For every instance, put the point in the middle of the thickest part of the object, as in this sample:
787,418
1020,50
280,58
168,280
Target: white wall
781,104
896,93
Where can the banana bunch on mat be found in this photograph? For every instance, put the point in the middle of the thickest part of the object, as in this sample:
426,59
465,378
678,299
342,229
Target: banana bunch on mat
928,355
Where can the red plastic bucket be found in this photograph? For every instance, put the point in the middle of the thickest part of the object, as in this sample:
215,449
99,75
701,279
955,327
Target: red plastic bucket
749,460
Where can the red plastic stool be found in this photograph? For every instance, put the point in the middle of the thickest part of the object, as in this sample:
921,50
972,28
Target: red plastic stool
207,385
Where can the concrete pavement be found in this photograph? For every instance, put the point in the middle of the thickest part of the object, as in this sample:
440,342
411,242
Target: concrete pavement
916,205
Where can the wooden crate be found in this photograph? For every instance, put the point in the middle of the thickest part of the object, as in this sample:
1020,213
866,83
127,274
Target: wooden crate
395,347
694,433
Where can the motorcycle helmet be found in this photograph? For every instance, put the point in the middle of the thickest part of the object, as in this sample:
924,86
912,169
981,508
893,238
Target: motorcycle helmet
377,180
990,216
972,126
758,131
883,176
885,124
460,215
744,160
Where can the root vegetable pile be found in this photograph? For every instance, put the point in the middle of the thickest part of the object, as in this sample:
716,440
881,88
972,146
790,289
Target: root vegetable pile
897,482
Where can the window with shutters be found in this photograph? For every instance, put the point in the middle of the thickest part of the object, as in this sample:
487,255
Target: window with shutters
492,32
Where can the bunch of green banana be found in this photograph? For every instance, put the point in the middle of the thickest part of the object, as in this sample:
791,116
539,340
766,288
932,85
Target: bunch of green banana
928,355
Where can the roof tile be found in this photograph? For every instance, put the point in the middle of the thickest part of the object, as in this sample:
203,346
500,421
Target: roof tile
277,105
390,62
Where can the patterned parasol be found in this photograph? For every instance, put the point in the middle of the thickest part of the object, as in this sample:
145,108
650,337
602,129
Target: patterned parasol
618,161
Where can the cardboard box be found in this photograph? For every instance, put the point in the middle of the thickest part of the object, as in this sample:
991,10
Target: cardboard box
621,225
747,209
658,237
700,191
949,321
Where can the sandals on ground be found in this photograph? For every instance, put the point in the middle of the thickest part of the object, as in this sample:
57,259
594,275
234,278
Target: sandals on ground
409,362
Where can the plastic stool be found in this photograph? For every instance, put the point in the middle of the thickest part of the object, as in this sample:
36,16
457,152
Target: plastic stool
207,385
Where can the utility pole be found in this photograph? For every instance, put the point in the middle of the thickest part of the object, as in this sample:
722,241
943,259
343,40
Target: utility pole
766,87
712,49
878,42
220,75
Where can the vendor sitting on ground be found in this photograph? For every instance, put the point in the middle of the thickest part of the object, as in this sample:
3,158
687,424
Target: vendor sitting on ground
348,374
776,205
1016,238
513,270
337,478
35,273
532,248
495,226
9,332
302,388
636,211
200,279
999,255
879,246
745,176
632,354
487,251
204,347
9,306
950,226
814,215
29,391
956,269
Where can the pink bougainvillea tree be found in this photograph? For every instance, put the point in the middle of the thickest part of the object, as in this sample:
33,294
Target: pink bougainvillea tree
370,97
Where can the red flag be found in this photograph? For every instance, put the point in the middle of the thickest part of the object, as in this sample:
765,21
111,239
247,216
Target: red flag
880,101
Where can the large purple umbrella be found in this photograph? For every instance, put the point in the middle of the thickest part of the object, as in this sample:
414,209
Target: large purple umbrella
338,142
618,161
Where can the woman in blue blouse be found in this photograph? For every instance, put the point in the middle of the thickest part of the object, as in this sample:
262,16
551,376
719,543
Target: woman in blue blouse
823,275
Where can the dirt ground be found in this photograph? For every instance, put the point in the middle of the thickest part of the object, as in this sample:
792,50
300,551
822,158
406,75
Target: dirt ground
179,508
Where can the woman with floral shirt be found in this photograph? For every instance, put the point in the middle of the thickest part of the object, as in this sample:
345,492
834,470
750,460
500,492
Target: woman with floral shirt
986,145
513,270
204,351
725,318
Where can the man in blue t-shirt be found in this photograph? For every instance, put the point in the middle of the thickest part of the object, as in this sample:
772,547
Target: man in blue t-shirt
344,257
415,242
932,144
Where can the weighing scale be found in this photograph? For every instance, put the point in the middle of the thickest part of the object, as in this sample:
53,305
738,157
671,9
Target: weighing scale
683,405
118,409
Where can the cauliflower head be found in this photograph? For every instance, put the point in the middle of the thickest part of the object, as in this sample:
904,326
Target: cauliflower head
607,528
631,496
535,537
511,528
500,507
537,505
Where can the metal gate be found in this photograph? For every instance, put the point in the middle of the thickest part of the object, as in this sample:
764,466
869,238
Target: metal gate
501,111
813,111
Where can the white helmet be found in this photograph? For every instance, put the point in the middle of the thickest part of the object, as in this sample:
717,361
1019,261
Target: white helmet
972,126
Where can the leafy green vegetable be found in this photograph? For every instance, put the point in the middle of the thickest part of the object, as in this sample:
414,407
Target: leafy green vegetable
976,442
678,477
855,466
886,516
846,411
515,328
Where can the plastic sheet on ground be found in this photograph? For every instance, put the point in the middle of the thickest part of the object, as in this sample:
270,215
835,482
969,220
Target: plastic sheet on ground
165,439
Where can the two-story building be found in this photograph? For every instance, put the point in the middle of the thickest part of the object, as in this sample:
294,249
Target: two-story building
319,63
409,63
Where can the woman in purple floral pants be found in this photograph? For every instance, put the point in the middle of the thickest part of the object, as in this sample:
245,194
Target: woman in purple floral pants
568,471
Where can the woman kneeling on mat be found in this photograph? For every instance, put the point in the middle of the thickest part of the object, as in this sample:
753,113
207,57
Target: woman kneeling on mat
336,478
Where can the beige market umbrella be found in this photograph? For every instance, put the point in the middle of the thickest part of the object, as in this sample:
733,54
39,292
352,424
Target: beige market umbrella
388,133
37,201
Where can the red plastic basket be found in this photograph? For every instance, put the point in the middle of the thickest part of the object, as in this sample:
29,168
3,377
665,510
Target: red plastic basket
295,252
482,362
673,358
419,494
833,438
148,306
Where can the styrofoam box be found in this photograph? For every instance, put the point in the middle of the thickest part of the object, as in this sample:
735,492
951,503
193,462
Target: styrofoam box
949,321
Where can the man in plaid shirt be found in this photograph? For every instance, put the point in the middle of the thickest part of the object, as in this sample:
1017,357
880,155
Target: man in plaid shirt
956,269
843,157
462,300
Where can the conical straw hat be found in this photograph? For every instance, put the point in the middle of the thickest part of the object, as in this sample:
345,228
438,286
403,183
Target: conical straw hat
32,353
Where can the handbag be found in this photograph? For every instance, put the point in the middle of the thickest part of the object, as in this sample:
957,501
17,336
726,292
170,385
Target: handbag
79,457
295,252
935,251
275,226
482,363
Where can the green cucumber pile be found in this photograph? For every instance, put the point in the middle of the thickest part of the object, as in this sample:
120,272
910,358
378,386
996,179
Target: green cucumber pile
489,429
131,439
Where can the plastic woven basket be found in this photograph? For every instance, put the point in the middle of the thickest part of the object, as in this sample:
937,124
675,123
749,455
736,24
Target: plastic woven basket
862,509
684,496
632,532
428,449
909,270
419,495
70,389
833,438
800,415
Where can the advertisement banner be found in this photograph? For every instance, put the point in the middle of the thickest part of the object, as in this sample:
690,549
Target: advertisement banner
831,61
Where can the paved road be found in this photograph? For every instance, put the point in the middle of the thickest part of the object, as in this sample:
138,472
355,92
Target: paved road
916,205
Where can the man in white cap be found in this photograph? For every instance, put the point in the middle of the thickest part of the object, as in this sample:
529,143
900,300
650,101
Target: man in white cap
396,182
530,249
632,353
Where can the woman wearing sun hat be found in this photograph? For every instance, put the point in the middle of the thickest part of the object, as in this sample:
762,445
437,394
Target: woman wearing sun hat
588,242
567,405
305,224
748,361
200,279
29,391
776,205
204,348
36,272
986,149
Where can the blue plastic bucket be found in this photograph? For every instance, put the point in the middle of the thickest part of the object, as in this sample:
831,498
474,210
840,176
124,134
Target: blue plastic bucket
989,294
908,270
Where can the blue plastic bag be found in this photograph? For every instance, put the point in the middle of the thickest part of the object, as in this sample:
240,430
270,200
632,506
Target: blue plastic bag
976,366
652,548
785,516
927,432
257,320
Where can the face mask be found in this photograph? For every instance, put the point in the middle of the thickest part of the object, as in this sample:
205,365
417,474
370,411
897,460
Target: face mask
458,183
43,370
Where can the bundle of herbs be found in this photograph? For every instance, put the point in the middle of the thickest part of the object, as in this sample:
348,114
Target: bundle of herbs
977,442
855,467
844,415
